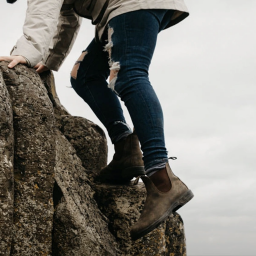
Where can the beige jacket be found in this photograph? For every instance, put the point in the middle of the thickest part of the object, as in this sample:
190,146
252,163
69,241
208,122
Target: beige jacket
51,26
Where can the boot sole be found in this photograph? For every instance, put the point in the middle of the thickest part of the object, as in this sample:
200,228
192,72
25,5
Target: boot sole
131,172
126,175
185,198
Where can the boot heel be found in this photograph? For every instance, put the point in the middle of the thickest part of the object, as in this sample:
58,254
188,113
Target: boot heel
183,200
134,171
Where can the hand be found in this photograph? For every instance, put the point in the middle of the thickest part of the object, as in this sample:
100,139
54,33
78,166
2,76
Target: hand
40,68
14,60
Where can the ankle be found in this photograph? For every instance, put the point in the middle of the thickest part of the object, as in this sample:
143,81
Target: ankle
161,180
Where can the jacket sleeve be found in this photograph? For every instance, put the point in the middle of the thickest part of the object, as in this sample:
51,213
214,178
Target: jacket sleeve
64,38
39,27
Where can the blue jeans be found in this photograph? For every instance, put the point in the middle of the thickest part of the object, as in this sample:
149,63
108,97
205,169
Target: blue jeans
126,49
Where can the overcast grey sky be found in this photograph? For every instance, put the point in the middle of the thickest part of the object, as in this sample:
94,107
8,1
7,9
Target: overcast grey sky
204,72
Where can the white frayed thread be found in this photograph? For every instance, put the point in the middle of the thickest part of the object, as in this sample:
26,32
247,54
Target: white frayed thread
116,67
112,64
108,46
112,83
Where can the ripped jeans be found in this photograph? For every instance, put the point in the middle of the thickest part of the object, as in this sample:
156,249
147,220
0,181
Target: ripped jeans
124,54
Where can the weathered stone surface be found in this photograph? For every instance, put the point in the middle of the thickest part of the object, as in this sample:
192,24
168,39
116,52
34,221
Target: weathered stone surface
89,141
87,138
6,169
79,226
175,236
49,83
122,206
58,209
34,157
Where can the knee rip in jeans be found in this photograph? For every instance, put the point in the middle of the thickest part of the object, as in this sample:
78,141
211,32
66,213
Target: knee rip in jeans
77,65
114,66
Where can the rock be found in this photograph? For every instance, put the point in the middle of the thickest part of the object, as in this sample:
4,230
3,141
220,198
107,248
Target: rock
49,83
79,226
89,141
6,169
34,161
175,235
122,206
87,138
50,203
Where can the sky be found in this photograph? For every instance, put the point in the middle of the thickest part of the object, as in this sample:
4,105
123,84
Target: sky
203,72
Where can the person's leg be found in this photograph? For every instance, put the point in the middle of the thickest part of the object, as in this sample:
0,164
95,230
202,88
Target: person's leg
132,37
88,78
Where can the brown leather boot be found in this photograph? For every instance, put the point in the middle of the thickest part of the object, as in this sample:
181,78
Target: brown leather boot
159,205
127,161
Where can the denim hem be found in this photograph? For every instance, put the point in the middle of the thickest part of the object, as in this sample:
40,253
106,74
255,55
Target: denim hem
121,136
155,165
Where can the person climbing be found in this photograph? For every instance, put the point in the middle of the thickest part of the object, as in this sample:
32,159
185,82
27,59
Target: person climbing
124,43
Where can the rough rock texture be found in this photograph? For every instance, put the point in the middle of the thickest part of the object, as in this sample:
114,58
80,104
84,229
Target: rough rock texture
122,206
34,158
6,169
79,228
88,139
58,109
175,235
50,204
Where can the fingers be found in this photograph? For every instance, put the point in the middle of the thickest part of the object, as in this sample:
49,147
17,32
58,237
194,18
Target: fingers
13,63
14,60
5,58
37,65
41,69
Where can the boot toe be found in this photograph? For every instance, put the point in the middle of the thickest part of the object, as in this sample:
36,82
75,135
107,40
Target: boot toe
159,205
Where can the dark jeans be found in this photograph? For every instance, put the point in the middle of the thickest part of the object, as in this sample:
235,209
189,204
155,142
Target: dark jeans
126,49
